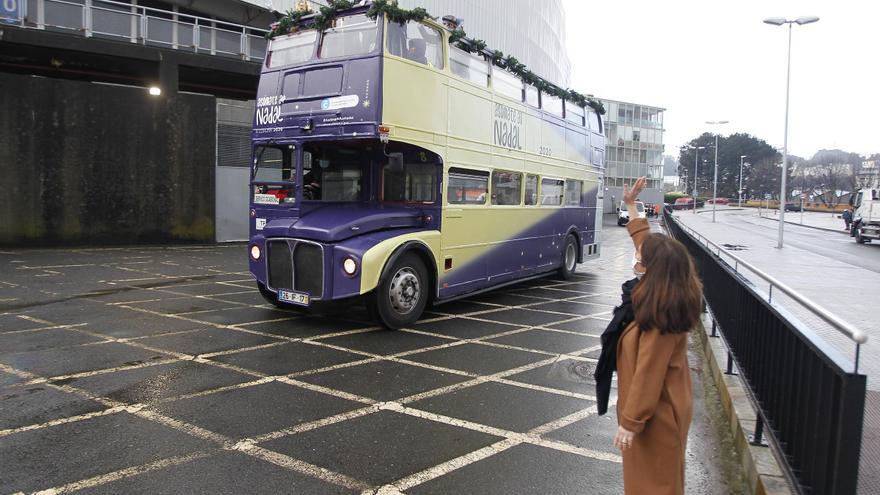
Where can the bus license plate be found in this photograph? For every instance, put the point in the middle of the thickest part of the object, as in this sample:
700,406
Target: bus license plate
293,297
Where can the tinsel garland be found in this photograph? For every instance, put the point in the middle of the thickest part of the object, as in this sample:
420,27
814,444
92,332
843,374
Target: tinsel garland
321,21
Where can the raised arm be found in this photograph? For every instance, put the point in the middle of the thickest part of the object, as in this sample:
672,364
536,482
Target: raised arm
638,227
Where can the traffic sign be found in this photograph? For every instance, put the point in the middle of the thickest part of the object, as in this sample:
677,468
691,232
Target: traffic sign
10,11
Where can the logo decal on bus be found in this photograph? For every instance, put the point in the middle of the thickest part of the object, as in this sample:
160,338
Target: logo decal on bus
338,102
508,127
269,110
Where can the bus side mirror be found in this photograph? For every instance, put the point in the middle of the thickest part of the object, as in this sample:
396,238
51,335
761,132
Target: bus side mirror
395,162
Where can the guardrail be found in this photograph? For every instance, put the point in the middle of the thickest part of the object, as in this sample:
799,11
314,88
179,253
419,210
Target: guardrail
143,25
808,395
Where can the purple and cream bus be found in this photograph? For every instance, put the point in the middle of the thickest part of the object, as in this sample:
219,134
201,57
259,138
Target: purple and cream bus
392,166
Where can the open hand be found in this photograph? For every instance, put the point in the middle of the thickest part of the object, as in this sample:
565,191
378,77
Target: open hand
630,195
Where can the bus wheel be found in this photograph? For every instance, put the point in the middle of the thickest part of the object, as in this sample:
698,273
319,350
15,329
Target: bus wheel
272,299
401,297
569,258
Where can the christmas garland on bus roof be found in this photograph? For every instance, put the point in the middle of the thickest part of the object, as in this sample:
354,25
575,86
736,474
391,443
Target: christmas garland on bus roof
294,20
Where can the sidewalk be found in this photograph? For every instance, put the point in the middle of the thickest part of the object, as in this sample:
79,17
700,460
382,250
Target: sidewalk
821,266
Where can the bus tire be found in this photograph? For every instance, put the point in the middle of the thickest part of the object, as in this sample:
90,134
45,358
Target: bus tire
272,299
569,258
402,294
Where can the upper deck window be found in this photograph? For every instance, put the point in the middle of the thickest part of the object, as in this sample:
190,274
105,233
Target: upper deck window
532,96
416,42
474,68
291,50
574,113
507,84
351,35
551,104
595,123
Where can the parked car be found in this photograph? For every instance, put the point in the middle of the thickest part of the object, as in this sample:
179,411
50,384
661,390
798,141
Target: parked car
719,201
623,214
792,207
683,203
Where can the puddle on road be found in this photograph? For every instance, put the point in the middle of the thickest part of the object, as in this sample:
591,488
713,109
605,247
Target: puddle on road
735,247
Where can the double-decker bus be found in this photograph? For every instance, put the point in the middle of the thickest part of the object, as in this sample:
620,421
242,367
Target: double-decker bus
390,165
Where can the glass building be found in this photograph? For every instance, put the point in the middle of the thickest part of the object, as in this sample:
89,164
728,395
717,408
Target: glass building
633,148
533,31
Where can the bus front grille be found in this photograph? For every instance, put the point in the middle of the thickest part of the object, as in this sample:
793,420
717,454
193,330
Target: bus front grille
308,269
280,265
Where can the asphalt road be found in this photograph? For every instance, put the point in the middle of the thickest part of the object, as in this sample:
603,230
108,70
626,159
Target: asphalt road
161,370
837,246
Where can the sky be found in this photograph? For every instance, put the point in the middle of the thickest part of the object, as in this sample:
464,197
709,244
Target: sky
709,60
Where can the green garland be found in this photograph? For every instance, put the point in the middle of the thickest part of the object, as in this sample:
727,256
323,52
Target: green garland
293,21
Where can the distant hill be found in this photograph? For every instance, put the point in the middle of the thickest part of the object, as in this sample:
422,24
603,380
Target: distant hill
670,165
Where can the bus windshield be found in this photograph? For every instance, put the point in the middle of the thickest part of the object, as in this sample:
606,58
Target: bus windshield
272,164
334,171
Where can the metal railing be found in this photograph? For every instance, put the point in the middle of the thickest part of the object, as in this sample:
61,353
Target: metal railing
808,395
143,25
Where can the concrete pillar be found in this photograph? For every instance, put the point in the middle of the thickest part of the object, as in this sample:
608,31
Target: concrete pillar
168,75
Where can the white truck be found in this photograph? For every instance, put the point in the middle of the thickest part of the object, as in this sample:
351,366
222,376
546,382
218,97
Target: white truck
623,214
866,216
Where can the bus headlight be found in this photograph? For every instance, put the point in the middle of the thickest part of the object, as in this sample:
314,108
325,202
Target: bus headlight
255,252
349,266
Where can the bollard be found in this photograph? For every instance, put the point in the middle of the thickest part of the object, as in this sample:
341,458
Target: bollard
730,365
757,439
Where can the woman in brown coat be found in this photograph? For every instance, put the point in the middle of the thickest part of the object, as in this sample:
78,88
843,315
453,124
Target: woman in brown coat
653,379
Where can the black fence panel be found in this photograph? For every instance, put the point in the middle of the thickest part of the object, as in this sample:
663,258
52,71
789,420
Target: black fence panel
808,400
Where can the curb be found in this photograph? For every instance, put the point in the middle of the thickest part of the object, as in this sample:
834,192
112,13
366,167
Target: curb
762,471
841,231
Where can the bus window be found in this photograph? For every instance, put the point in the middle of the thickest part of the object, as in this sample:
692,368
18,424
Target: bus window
467,186
332,173
506,188
507,84
532,96
473,68
416,42
295,49
417,183
271,165
595,124
574,113
572,193
531,197
552,104
351,35
551,192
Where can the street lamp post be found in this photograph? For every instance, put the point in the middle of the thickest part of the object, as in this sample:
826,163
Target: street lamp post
778,21
741,179
696,158
715,183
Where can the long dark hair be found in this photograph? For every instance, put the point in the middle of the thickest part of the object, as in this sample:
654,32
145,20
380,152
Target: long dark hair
669,295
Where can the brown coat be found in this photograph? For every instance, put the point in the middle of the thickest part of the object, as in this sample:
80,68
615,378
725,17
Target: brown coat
654,401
